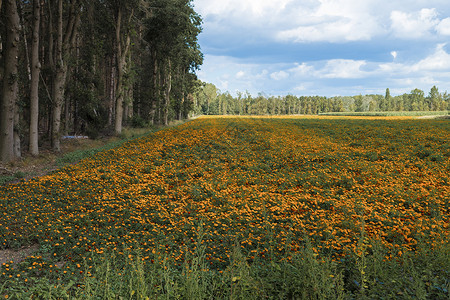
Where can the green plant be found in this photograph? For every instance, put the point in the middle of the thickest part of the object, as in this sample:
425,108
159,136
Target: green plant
6,179
138,122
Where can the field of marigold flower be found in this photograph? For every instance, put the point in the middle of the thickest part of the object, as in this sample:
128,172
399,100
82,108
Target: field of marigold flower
267,186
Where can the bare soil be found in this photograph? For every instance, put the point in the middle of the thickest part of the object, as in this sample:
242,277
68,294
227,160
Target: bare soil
32,166
9,256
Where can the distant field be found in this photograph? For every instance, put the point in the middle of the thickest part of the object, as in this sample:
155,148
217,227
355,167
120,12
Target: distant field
388,113
349,195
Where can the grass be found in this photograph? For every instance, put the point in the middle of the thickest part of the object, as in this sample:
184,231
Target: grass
72,152
5,179
424,275
126,135
241,208
388,113
10,178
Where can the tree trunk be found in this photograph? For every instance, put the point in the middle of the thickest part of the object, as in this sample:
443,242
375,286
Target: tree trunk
167,95
155,99
10,83
58,83
128,113
50,29
181,108
35,72
158,94
122,48
64,42
128,95
119,100
110,88
58,101
119,93
25,40
67,115
180,112
17,148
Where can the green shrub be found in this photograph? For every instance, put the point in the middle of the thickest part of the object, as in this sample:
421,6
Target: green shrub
6,179
138,122
19,174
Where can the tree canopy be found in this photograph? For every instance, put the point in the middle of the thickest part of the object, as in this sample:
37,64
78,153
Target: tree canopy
209,100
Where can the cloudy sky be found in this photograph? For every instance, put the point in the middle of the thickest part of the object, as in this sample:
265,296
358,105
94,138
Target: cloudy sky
325,47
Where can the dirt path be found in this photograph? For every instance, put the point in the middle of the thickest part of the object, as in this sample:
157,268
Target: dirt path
9,256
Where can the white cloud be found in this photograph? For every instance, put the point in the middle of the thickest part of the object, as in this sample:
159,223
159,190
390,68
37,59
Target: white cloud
261,77
390,67
414,25
281,75
244,43
247,11
223,85
339,31
319,77
300,88
343,68
335,21
301,69
438,61
443,27
240,74
292,20
263,73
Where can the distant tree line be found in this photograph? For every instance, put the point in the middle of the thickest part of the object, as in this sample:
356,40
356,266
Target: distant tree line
78,67
208,100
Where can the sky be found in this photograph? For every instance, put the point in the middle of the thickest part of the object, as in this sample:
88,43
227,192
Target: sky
325,47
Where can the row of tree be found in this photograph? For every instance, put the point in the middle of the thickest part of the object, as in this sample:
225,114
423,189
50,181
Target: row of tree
208,100
79,66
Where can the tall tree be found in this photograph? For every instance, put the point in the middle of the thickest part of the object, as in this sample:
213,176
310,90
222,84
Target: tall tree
9,79
358,103
34,87
434,99
66,32
90,51
124,12
416,100
167,90
172,31
383,101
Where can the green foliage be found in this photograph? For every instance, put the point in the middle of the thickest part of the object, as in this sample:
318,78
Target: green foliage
78,155
208,100
19,174
149,32
138,122
11,177
6,179
305,275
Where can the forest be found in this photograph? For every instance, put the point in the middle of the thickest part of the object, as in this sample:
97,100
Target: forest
208,100
70,67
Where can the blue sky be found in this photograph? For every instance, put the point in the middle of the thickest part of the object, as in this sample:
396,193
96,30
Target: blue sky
325,47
